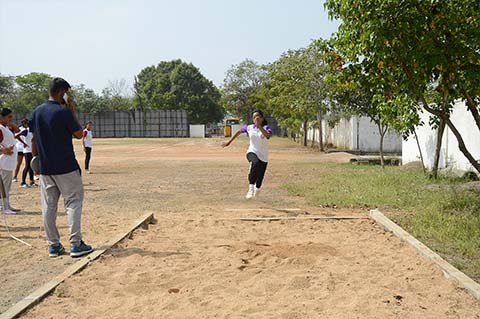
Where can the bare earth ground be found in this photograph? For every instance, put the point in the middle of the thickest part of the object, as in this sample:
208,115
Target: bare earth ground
201,261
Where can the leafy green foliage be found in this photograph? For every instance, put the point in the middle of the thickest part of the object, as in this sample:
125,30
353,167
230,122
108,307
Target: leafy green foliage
297,89
87,100
7,90
178,85
243,89
32,91
415,46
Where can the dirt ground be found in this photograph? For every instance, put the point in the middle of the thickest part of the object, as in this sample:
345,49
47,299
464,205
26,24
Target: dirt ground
201,261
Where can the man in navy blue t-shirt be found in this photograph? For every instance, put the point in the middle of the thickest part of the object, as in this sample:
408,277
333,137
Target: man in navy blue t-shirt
53,126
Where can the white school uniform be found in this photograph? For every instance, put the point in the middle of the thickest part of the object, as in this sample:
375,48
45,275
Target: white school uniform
28,141
20,144
258,142
8,162
88,138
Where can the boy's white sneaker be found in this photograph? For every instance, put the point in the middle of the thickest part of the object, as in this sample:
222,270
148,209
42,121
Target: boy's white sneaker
251,192
256,192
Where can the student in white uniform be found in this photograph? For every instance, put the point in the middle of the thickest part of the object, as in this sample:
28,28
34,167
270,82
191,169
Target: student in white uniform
257,154
87,142
8,157
27,154
20,144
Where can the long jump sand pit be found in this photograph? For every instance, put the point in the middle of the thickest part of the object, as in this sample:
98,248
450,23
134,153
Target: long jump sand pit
206,267
202,261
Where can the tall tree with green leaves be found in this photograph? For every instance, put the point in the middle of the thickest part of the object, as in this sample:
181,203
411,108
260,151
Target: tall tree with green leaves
32,91
117,96
297,88
353,92
242,86
7,90
178,85
316,62
415,45
292,102
87,100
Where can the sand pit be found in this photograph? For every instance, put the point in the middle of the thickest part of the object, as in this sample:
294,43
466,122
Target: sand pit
205,268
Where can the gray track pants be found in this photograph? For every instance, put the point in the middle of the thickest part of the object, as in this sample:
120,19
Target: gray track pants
70,186
6,177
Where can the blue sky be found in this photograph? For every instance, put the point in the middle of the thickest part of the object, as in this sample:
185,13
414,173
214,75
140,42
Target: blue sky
92,42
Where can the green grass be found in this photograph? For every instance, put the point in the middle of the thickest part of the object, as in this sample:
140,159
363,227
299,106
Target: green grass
437,212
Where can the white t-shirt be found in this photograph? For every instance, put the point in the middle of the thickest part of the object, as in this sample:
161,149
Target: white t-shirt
88,138
27,138
8,162
20,144
258,141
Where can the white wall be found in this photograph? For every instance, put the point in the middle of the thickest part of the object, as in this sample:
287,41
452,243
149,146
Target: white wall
450,155
197,130
427,139
339,136
236,128
358,134
369,138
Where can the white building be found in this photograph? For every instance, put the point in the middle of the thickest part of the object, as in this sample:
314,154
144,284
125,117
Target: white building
197,130
358,134
450,155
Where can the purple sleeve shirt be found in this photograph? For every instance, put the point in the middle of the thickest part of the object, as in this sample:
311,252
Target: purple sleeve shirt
244,129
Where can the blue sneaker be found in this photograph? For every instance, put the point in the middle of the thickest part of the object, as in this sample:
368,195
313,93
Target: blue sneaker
80,249
55,250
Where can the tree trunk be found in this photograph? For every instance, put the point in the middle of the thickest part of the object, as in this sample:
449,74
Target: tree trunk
462,147
438,147
382,132
472,106
313,138
420,151
305,132
320,130
458,136
461,143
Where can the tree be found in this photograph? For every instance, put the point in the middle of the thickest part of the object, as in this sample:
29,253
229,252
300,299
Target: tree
316,64
117,96
7,90
416,44
195,94
291,103
153,86
87,100
298,95
241,88
32,91
178,85
356,93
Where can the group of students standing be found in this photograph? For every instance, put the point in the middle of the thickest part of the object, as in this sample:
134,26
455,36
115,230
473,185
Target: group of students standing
16,148
45,142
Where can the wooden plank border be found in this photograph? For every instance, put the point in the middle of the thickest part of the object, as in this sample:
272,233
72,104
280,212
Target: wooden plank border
261,209
449,271
280,218
36,296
